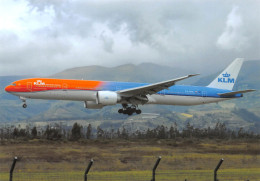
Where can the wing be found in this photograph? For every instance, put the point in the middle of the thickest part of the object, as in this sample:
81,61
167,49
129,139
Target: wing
235,92
151,88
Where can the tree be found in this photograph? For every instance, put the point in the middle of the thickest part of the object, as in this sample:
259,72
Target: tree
34,132
161,132
172,134
15,133
52,133
149,134
89,131
241,133
124,133
76,132
100,132
118,133
23,133
188,131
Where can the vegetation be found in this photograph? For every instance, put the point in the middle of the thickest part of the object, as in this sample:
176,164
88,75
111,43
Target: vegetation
57,132
182,158
191,153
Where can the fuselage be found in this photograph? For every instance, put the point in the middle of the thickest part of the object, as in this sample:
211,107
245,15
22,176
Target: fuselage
86,90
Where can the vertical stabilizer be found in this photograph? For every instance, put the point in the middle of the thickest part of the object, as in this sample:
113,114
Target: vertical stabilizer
227,79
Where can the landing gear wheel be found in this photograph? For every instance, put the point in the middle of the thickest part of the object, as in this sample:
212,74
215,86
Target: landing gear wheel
124,111
129,109
24,105
130,113
138,111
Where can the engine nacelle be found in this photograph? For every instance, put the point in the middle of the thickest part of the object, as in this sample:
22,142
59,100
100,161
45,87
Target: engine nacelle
93,105
107,98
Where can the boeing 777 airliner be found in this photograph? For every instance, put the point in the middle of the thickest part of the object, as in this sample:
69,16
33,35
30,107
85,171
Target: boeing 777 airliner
97,94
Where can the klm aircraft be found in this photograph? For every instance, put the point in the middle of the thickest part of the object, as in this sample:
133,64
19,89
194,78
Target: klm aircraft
97,94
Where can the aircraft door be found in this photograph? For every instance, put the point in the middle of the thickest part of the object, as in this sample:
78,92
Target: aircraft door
203,97
29,86
64,86
118,88
204,94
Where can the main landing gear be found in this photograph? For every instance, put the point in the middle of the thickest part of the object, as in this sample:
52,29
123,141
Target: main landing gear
129,110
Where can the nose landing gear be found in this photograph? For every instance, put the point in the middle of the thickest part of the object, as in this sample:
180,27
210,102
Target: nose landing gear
129,110
24,102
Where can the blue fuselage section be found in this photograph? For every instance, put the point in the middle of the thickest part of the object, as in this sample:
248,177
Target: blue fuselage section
180,90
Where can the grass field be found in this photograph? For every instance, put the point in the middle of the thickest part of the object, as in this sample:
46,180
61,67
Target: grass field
131,160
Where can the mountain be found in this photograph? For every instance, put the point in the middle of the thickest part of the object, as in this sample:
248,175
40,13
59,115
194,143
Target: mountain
145,72
44,110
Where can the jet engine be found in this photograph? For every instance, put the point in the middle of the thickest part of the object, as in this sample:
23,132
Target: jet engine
107,98
104,98
93,105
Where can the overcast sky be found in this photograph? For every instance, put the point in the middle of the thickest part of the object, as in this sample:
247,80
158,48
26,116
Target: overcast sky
47,36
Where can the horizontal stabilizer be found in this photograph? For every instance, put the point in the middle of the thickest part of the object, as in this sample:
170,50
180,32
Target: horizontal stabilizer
236,92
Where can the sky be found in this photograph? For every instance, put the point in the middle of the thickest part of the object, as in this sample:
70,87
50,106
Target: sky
44,37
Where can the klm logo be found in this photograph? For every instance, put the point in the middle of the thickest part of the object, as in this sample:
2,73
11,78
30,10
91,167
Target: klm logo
39,82
226,79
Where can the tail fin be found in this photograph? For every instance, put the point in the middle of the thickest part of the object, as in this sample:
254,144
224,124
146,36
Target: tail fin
227,79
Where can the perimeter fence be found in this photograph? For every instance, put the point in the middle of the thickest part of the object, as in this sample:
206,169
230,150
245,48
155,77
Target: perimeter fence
17,173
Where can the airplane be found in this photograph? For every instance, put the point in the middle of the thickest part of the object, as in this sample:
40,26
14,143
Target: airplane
97,94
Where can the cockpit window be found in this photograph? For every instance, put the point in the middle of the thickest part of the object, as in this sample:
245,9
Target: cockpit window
14,84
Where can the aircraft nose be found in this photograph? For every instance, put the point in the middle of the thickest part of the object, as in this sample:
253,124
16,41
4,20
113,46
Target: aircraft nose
8,88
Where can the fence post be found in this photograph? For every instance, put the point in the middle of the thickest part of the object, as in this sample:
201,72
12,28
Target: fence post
216,169
155,166
12,169
87,170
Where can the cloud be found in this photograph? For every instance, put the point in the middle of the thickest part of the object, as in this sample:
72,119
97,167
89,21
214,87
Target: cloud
47,36
232,37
